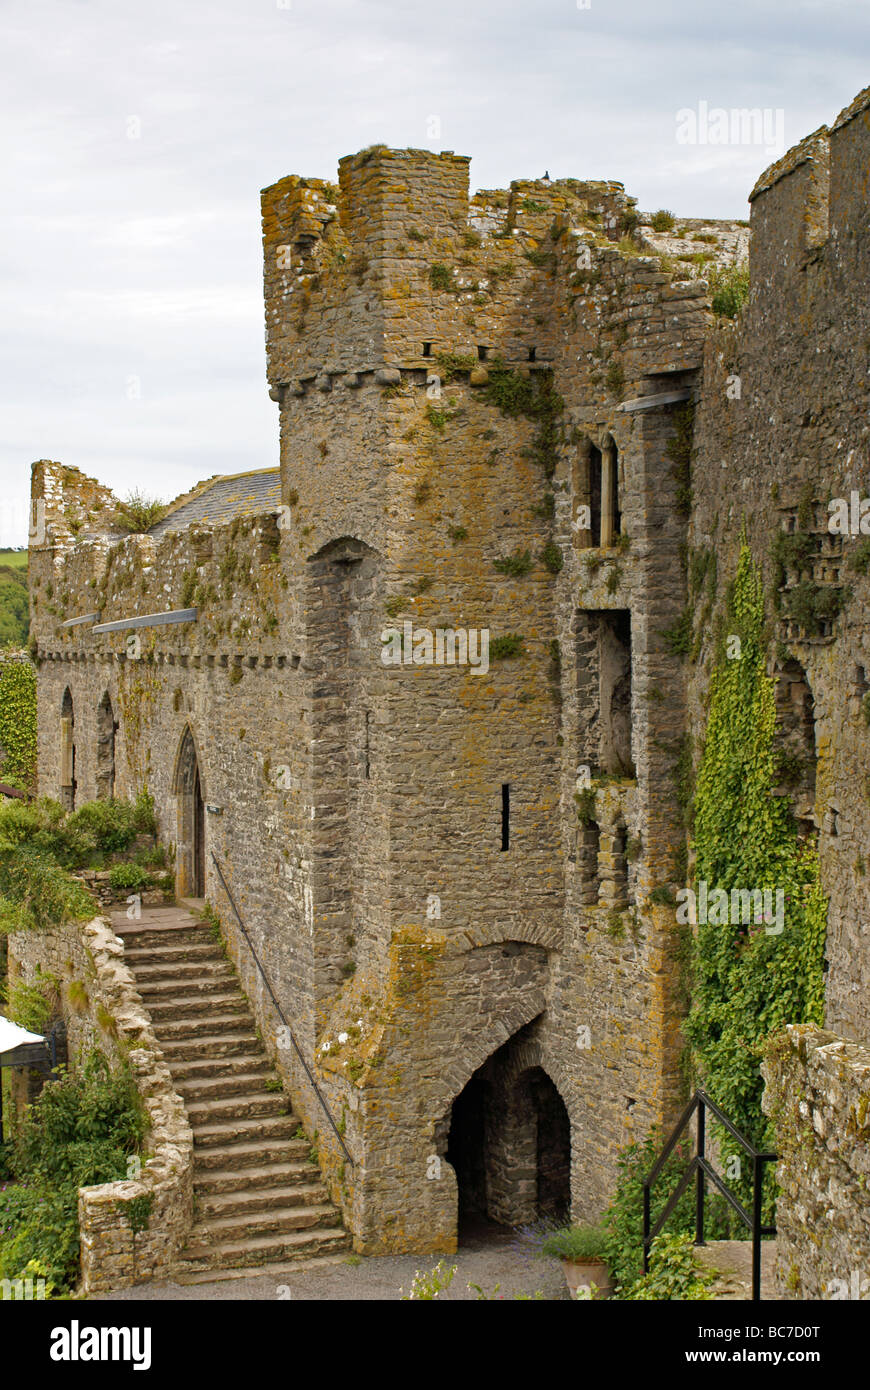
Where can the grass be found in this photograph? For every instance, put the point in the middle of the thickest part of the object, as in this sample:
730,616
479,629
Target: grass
15,559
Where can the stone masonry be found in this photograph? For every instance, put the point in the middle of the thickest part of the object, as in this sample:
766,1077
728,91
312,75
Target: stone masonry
447,871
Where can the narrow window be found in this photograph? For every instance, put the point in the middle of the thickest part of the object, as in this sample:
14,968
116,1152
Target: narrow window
609,491
482,353
532,352
505,815
427,349
595,493
67,753
368,743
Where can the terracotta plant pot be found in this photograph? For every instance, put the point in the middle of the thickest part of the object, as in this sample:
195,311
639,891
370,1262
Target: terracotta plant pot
581,1274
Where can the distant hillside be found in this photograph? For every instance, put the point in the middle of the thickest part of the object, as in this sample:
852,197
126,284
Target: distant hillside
14,612
17,559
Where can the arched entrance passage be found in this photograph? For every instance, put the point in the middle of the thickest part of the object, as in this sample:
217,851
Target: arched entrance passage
510,1143
190,847
105,749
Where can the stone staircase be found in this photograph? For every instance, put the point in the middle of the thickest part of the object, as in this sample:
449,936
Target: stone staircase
261,1206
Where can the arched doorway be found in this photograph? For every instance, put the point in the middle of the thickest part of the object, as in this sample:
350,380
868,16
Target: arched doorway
510,1144
67,752
190,848
796,742
106,728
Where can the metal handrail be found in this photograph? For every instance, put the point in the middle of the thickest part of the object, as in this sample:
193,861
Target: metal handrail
280,1012
699,1165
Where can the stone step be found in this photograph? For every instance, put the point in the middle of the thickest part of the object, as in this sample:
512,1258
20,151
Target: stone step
209,1069
253,1178
213,1110
193,1006
165,955
208,1047
266,1128
204,1026
236,1156
198,971
177,982
272,1222
161,938
215,1205
261,1250
276,1272
261,1203
195,1090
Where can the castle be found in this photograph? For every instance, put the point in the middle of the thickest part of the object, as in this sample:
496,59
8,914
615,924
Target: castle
504,419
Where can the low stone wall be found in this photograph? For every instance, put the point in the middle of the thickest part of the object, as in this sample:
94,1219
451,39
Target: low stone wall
818,1096
131,1230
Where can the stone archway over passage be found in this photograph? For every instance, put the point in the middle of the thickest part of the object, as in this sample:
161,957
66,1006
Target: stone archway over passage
509,1143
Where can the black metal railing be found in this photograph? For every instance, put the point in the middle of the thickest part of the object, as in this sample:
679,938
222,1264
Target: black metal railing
704,1170
280,1012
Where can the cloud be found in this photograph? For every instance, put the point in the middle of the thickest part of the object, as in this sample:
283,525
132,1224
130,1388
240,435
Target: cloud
134,141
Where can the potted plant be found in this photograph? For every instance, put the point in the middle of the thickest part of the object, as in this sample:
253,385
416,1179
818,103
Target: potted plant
581,1250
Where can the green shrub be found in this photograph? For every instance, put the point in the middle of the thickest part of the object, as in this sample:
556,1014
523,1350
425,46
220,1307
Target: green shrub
585,802
32,1006
679,635
440,277
79,1132
18,722
39,1223
503,648
729,288
662,221
859,561
674,1273
138,513
130,878
576,1243
623,1220
40,843
748,983
37,892
552,557
14,608
110,825
515,565
82,1127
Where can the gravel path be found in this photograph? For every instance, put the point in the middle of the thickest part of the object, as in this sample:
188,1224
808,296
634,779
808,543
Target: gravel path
487,1261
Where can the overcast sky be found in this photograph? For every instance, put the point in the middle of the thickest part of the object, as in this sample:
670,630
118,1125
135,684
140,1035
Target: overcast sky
135,139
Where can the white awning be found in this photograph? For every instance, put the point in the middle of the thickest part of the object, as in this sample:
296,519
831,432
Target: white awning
11,1035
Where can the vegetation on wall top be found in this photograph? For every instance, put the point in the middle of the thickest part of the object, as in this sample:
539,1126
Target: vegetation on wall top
41,845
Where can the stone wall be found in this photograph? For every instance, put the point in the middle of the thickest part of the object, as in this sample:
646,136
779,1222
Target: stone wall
782,429
357,808
101,1009
818,1095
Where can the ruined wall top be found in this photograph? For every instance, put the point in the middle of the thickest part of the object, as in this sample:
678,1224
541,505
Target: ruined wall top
364,274
816,196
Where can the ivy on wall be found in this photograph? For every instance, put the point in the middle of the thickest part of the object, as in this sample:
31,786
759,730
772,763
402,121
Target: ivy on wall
18,722
749,980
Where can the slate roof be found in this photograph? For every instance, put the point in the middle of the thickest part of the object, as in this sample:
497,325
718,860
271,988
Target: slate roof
224,498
